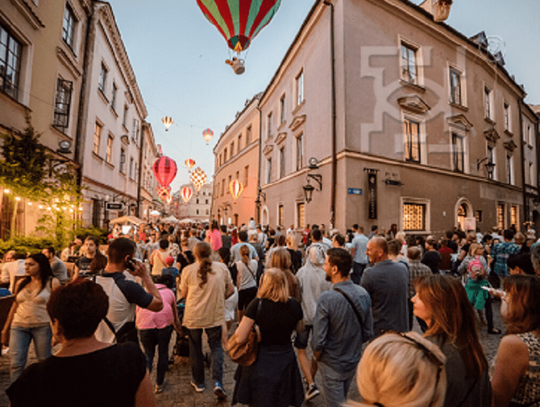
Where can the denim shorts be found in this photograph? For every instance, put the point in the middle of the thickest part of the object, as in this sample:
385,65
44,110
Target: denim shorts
302,337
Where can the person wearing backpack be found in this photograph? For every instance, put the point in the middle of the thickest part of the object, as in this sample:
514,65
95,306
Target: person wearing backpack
246,281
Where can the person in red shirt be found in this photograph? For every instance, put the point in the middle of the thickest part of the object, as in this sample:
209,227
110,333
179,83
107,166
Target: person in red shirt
445,265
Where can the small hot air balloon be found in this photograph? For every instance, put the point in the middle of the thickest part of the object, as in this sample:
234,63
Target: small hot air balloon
239,21
236,189
190,164
164,169
208,134
186,193
167,121
198,178
163,192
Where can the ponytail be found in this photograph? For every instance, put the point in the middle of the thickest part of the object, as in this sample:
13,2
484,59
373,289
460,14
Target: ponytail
202,252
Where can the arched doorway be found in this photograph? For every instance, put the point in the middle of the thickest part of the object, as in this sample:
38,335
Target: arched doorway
463,211
265,216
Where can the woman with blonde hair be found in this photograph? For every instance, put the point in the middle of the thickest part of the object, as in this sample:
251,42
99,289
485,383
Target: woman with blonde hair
281,259
399,369
516,379
205,285
274,379
441,301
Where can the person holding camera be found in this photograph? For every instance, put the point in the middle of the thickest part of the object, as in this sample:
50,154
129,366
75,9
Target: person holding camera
124,295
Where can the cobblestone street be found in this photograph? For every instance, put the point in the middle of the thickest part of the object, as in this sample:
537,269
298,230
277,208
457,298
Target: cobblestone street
179,392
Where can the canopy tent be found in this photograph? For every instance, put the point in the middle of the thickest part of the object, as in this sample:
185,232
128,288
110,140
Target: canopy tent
170,219
187,220
127,219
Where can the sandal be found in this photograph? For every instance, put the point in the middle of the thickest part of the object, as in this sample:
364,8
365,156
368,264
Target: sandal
494,331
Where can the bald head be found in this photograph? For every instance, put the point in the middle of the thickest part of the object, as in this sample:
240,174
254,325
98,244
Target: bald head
377,249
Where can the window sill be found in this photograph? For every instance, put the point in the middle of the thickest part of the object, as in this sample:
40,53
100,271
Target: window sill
282,125
509,133
458,106
298,107
269,139
113,112
97,157
125,128
122,173
530,146
103,97
59,131
489,120
411,85
70,48
110,165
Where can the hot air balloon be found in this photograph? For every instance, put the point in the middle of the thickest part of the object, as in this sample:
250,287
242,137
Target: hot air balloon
164,169
163,192
236,189
198,178
186,193
239,21
208,134
190,164
167,121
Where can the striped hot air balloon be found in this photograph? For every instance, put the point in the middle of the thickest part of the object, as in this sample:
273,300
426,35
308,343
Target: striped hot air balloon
239,21
208,134
167,121
186,193
236,189
190,163
164,169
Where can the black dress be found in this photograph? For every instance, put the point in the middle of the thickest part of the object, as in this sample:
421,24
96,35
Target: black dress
274,379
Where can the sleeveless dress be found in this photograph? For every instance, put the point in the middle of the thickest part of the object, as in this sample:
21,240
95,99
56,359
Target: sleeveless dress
528,391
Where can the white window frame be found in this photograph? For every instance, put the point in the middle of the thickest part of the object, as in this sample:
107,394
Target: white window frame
531,173
456,134
405,115
104,71
462,84
97,147
282,161
282,107
269,125
419,61
71,40
298,138
417,201
268,170
299,80
493,159
507,116
110,146
510,176
488,103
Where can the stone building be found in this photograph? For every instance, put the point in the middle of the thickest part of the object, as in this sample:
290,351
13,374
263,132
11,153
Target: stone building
386,117
237,158
530,131
198,207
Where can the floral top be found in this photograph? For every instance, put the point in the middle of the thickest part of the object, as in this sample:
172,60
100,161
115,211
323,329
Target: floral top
528,391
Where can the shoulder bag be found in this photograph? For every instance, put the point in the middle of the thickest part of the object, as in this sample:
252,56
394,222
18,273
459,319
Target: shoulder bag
352,305
245,354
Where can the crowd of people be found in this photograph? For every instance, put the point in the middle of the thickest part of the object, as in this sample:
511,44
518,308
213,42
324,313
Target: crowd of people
326,290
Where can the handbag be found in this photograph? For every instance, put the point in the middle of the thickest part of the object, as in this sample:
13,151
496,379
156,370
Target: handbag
245,353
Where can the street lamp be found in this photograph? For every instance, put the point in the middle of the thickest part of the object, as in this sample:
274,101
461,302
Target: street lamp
308,189
308,192
490,166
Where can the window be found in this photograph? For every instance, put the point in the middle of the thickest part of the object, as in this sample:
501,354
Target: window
246,175
108,157
280,215
197,201
135,131
237,175
206,202
62,102
232,149
455,87
248,136
68,26
478,216
207,212
124,119
113,96
300,88
269,125
268,170
491,159
228,184
299,153
514,218
300,215
531,135
531,173
197,211
122,161
10,63
509,169
412,140
239,143
414,216
408,64
458,153
506,108
103,78
97,138
136,173
487,103
131,167
225,155
222,187
282,109
282,162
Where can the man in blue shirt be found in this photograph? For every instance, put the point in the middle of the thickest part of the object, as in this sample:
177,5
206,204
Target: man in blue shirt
358,251
338,329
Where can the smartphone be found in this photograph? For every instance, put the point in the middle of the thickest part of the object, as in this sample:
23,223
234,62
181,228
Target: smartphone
130,264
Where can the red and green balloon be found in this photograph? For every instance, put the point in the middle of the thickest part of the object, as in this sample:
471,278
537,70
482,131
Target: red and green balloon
239,21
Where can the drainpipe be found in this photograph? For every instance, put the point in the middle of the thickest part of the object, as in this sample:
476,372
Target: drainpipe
334,117
260,163
522,151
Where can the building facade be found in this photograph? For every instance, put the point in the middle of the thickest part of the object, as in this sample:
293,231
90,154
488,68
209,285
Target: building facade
391,118
530,123
198,207
42,50
237,158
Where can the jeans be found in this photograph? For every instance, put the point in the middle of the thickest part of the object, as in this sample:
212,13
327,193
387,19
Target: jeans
358,270
19,344
160,337
335,386
197,358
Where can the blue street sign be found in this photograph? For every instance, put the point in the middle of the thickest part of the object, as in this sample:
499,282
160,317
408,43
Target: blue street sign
355,191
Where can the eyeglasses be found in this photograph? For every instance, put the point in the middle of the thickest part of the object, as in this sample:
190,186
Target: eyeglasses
427,352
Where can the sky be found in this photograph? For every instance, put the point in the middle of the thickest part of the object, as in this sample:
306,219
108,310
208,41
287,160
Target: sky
179,61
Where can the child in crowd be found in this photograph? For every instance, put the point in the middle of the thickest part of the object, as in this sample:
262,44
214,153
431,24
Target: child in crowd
171,270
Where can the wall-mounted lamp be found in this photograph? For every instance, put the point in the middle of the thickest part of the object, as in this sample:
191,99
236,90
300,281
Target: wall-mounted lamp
490,166
308,189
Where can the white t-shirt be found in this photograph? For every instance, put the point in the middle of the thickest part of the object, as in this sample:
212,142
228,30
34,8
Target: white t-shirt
247,276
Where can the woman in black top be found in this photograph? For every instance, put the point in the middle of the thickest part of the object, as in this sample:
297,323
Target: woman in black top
274,379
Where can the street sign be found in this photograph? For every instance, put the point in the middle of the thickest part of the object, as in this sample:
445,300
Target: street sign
355,191
111,206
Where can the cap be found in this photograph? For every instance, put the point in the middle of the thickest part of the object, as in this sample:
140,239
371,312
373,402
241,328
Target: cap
169,260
